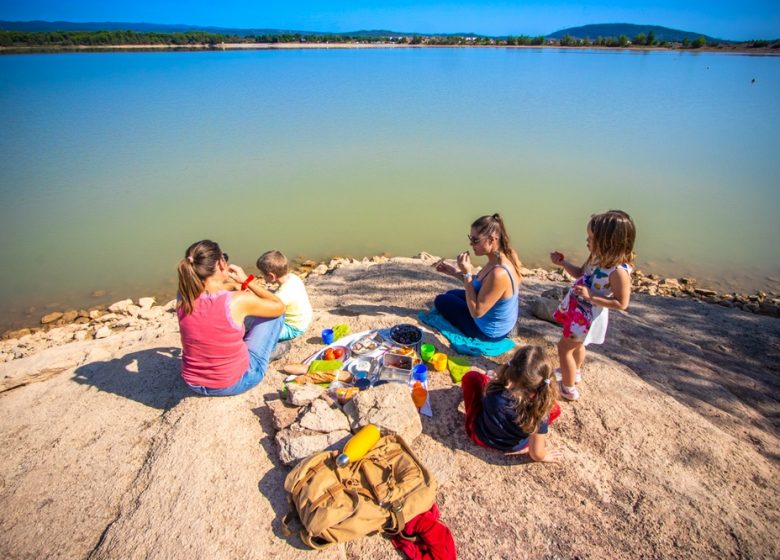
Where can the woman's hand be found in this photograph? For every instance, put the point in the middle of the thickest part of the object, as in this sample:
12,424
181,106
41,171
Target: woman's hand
464,263
582,292
557,258
237,273
446,268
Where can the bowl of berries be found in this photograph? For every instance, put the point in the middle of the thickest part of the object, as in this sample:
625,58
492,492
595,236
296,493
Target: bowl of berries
406,335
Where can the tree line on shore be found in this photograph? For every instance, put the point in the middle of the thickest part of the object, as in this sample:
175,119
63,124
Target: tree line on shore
193,38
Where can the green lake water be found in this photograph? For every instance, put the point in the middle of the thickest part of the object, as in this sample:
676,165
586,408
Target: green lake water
111,164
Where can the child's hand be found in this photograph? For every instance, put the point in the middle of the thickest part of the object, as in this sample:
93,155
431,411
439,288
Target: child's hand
464,263
557,258
552,456
582,292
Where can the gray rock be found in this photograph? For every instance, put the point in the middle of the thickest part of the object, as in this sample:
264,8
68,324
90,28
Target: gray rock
441,463
320,417
295,443
543,308
556,292
389,407
120,306
301,395
282,414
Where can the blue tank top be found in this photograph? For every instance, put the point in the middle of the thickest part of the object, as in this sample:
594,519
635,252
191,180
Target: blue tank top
501,318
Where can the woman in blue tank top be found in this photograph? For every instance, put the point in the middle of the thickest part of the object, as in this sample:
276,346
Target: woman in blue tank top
488,306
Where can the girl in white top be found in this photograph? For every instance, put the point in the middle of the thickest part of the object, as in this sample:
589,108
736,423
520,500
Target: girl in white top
603,283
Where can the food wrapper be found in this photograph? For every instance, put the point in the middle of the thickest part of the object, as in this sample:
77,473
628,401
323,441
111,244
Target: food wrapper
325,365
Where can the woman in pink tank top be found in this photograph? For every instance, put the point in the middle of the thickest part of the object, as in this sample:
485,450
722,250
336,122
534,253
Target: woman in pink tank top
220,356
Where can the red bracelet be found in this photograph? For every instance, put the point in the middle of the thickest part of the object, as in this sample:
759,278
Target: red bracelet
245,285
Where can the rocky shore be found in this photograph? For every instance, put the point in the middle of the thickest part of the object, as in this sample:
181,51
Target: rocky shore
59,327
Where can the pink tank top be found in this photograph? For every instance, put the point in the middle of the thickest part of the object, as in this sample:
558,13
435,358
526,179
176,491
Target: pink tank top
213,348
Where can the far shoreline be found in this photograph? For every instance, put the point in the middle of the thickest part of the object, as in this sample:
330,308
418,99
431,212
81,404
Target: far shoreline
57,49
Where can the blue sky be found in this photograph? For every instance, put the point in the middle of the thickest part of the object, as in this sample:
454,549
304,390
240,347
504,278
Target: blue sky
726,19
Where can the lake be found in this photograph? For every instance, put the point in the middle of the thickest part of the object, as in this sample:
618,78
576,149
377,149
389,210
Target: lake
111,164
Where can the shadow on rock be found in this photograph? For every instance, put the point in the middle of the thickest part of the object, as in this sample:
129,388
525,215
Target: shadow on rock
272,484
151,377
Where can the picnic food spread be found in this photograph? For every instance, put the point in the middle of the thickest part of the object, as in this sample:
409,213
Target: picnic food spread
362,360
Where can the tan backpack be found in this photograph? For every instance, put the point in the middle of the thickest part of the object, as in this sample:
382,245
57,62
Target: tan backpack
379,492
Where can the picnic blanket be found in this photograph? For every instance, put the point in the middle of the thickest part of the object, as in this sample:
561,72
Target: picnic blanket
461,343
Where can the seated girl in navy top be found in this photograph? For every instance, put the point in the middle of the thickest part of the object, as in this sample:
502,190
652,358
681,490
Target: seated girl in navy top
512,412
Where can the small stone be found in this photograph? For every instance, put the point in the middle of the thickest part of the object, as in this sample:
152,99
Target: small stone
120,306
282,414
146,303
103,332
320,417
705,293
320,269
70,315
170,306
80,335
152,314
19,333
95,314
84,313
51,317
301,395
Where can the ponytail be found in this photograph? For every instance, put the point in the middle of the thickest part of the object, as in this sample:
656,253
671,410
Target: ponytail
199,263
494,225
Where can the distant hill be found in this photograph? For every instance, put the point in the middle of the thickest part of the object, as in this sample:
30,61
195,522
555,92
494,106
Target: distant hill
181,28
631,30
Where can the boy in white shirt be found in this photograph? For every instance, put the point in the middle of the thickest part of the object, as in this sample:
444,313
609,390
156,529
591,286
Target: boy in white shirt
298,312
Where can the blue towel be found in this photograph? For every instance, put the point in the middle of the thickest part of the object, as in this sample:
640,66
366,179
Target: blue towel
461,343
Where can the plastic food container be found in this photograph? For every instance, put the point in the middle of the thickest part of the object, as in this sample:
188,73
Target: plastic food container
396,367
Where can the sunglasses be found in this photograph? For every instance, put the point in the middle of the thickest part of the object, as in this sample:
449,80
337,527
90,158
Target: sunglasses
473,240
225,257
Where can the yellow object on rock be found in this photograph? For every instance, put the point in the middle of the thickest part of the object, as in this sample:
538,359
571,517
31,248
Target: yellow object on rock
439,361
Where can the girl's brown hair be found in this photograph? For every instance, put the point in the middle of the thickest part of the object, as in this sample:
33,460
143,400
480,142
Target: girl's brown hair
199,262
529,377
494,225
613,238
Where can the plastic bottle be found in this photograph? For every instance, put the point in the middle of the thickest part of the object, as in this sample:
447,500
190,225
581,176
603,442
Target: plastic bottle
358,445
419,394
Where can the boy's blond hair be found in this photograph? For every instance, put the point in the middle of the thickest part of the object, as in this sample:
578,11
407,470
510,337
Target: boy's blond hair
273,262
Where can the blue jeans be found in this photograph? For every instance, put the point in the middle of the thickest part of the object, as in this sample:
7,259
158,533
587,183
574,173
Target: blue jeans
452,306
260,338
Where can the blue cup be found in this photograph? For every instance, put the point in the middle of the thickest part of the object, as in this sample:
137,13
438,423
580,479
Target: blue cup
420,373
327,336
